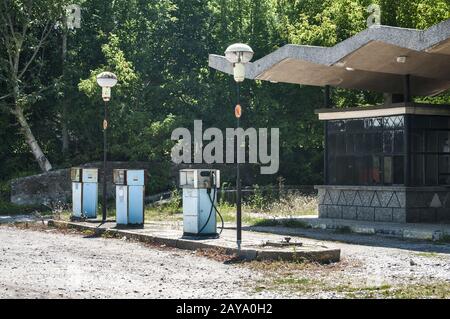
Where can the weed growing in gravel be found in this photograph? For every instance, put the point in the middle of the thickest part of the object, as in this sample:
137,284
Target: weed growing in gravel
302,278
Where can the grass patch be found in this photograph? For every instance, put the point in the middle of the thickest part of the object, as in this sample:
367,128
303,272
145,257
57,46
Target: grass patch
294,223
280,267
161,214
291,223
412,291
253,210
420,291
88,232
266,223
109,234
343,230
445,239
297,279
297,284
305,278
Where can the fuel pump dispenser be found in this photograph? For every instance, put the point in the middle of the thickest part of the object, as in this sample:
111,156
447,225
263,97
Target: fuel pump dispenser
200,201
130,189
90,192
84,192
77,192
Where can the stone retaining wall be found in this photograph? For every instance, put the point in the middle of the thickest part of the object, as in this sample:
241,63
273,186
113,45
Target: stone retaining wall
385,204
55,186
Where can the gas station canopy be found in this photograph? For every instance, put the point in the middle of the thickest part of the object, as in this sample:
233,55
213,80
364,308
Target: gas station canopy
375,59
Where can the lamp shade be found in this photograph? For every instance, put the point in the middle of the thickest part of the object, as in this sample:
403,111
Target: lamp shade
106,79
239,53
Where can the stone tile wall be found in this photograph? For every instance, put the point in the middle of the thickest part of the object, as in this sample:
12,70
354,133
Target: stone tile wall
385,204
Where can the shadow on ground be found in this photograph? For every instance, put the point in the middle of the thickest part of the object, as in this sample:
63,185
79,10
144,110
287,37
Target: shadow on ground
352,238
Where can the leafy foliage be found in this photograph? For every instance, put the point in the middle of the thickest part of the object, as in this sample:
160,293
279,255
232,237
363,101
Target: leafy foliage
159,50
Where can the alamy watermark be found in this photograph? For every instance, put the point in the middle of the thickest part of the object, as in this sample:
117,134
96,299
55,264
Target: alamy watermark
235,146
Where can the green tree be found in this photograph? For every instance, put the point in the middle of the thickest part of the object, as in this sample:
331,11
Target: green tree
25,26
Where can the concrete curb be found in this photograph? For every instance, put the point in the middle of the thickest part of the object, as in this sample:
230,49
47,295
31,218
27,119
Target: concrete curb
403,231
320,256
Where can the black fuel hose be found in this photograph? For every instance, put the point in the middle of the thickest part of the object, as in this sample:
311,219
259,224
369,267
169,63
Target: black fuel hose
218,213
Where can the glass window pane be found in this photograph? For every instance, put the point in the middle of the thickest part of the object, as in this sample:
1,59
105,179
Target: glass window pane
431,169
417,141
355,126
350,144
349,170
444,170
368,144
332,170
421,122
331,145
398,171
444,164
368,124
439,122
360,144
375,170
377,140
387,171
393,122
388,142
398,141
444,179
431,141
361,177
335,126
417,170
378,122
344,170
340,143
444,146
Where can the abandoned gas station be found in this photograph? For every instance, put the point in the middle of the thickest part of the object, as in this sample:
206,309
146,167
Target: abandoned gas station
388,162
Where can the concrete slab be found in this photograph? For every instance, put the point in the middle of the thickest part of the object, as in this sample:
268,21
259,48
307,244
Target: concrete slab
170,234
432,232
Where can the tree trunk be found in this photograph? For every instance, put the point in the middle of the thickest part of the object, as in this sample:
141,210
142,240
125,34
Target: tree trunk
65,136
42,160
64,129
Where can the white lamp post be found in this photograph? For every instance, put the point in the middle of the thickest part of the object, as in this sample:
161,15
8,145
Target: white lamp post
238,54
106,80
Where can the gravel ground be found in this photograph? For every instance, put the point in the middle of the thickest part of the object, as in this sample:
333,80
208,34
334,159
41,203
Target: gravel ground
38,264
49,264
367,262
378,258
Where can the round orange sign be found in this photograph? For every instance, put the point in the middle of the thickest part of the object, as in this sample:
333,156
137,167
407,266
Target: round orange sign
238,111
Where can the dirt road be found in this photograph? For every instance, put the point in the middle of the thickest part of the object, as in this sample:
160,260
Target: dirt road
37,264
50,264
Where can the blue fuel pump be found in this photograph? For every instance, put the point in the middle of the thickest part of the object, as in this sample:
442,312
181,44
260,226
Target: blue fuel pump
84,192
130,190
